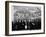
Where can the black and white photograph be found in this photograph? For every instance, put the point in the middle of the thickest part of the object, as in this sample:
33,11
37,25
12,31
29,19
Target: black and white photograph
25,18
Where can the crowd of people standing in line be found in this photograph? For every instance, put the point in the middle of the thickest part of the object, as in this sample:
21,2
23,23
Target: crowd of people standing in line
26,25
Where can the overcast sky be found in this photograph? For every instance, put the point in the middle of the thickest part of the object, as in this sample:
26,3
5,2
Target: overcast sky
24,12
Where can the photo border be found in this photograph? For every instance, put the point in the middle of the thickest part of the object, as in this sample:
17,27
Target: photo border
7,17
